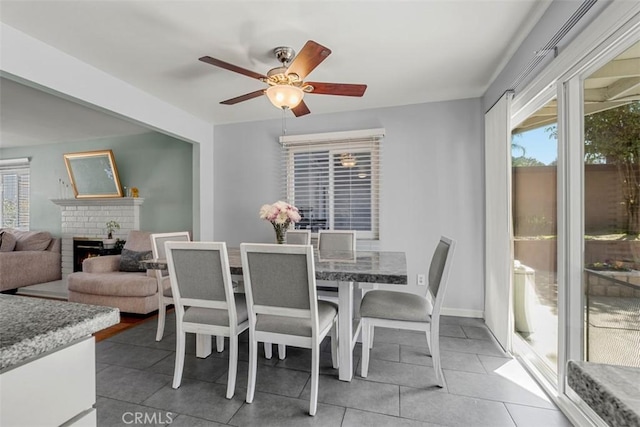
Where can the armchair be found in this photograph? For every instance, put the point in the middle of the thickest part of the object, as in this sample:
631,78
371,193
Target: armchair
101,281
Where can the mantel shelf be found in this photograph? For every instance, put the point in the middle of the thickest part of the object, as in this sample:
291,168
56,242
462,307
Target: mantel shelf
108,201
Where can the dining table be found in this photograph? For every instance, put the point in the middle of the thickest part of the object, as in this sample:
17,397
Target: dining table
347,270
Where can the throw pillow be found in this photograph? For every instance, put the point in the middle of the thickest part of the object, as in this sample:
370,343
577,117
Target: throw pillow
7,242
130,260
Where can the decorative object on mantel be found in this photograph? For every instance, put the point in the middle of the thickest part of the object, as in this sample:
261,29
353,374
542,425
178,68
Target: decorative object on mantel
280,215
93,174
135,192
111,227
63,189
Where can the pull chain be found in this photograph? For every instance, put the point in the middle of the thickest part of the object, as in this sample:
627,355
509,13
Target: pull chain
284,122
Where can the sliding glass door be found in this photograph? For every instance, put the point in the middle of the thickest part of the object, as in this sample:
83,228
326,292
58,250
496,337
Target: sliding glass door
534,199
612,211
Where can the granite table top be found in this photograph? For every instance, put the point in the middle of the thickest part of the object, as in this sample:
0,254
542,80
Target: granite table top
613,392
359,266
30,327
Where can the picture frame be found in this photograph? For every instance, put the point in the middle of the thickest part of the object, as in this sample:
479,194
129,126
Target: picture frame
93,174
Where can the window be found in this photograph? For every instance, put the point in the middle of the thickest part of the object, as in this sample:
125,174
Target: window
333,179
14,193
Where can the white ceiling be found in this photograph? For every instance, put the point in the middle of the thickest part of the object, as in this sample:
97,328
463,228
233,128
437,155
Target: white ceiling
407,52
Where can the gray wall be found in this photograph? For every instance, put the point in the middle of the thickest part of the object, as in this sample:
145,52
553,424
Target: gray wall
160,166
431,184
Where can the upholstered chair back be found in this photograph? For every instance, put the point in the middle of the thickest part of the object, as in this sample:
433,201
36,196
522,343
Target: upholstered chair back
299,237
436,269
199,274
138,241
279,279
336,240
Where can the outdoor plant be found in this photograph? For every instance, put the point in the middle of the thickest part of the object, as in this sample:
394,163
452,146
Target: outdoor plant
111,227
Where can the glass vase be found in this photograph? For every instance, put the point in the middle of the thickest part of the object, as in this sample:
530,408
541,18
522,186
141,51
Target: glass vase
281,230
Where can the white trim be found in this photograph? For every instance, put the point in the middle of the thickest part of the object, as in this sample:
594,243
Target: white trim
281,311
216,305
462,312
333,136
24,161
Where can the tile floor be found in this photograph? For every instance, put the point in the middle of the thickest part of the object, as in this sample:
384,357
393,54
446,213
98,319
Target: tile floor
484,387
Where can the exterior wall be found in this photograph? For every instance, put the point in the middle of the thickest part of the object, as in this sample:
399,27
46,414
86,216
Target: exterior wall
535,200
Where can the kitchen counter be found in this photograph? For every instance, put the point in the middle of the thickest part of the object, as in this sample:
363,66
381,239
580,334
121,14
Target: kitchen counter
613,392
47,361
32,326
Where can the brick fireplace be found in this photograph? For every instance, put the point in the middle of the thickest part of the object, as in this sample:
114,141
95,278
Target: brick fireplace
87,218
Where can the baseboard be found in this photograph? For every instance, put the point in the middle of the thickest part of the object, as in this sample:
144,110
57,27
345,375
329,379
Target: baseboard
462,312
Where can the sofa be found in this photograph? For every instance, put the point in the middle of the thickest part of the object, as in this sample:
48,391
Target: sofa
28,258
117,280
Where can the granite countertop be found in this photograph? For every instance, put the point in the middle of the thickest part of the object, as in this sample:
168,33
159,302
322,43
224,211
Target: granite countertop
613,392
30,327
359,266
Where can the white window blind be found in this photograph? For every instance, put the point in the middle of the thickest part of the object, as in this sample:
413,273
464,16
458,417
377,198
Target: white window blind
334,180
14,193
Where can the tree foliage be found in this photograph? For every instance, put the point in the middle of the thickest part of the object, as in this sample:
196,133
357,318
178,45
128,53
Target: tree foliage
525,161
613,137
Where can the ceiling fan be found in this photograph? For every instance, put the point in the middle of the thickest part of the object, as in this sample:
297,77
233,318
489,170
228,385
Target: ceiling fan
286,82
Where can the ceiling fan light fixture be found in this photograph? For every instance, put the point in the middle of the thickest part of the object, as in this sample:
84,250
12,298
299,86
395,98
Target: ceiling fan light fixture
285,96
347,160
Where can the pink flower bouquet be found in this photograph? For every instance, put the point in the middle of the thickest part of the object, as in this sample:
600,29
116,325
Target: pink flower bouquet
280,215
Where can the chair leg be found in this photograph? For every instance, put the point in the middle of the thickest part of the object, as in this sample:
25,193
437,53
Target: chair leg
268,350
233,366
315,374
335,360
282,351
219,343
371,331
366,347
253,365
177,371
162,315
434,345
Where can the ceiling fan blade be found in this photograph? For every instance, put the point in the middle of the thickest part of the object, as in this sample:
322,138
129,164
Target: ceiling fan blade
341,89
245,97
231,67
301,109
308,59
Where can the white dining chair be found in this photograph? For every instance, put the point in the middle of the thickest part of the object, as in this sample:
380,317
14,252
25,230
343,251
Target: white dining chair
298,237
204,300
293,237
403,310
337,240
328,240
283,308
165,297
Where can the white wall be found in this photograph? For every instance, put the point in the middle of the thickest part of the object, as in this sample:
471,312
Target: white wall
431,184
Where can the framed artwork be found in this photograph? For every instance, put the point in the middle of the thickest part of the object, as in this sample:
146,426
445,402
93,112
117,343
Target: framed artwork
93,174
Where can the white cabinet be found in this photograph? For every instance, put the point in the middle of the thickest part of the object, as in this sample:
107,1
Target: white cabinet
56,388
